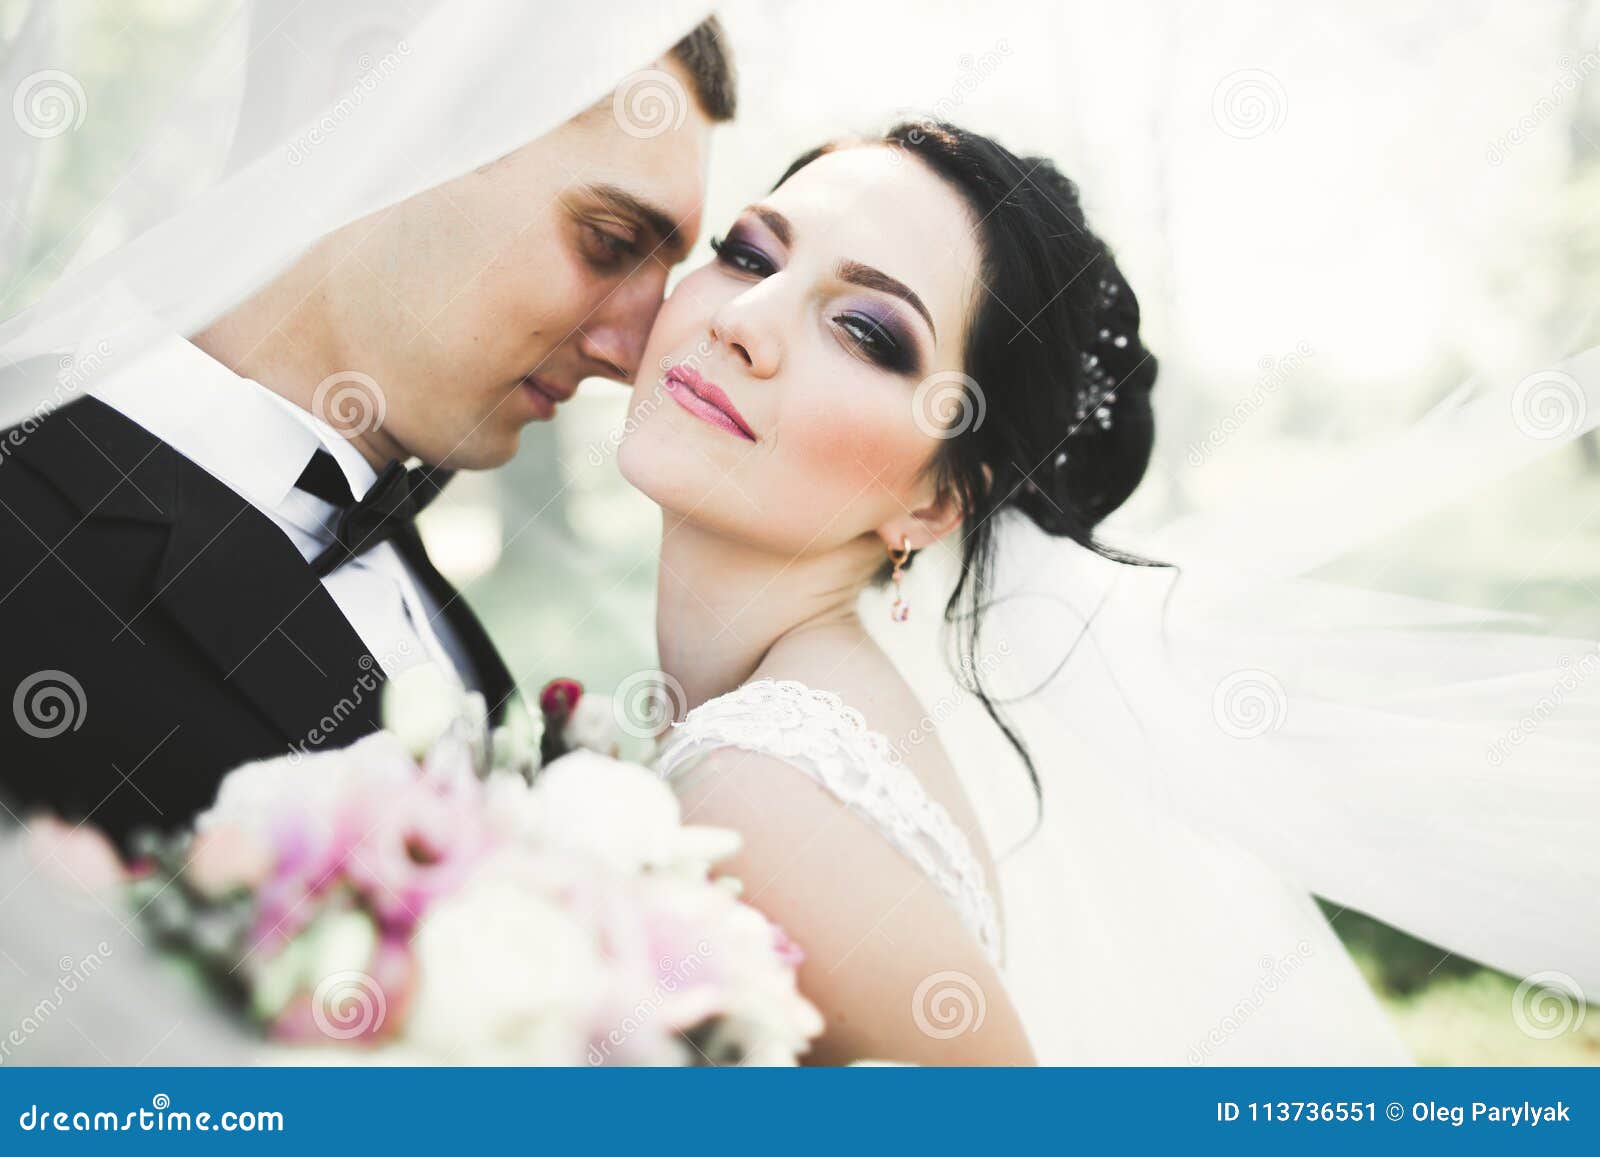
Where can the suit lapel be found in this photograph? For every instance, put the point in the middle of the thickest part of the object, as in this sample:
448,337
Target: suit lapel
229,577
241,591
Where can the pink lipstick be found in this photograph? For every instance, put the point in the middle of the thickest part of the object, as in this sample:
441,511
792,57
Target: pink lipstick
706,401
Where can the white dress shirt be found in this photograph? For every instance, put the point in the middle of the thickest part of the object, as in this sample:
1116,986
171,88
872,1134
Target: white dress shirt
257,443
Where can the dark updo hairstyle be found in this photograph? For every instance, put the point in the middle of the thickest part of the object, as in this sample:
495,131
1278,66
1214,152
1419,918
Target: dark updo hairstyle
1053,344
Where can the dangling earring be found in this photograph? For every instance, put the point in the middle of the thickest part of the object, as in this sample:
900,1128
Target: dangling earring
899,610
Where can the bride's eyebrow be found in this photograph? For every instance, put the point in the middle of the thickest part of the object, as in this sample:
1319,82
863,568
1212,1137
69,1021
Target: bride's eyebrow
867,277
852,272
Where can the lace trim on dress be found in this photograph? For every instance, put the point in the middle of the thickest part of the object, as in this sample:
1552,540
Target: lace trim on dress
815,732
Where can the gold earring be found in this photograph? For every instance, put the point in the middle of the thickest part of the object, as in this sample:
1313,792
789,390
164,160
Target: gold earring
899,610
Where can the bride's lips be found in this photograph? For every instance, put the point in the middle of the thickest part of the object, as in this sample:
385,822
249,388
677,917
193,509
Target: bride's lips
706,401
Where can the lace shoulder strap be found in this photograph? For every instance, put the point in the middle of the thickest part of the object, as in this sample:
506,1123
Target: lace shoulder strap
815,732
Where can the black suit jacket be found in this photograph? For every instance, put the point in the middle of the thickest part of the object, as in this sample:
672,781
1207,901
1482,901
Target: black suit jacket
156,630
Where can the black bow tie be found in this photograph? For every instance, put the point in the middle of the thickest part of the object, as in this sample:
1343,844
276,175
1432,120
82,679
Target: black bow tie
385,512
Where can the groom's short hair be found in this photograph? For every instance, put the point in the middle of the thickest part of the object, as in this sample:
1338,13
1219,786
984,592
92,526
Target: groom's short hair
704,55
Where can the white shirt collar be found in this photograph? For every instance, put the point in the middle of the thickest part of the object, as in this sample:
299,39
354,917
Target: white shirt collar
250,438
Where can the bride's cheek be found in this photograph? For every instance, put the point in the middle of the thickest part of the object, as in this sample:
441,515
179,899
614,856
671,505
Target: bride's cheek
860,443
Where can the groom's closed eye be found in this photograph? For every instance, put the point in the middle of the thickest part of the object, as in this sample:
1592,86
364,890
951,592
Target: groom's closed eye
619,227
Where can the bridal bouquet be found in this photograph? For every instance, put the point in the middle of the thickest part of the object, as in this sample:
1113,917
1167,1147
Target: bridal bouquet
435,892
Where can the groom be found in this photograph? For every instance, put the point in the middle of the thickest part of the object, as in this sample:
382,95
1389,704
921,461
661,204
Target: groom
211,559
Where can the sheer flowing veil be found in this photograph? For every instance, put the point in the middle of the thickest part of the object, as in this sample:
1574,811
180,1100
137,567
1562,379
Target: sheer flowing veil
1218,740
291,121
288,121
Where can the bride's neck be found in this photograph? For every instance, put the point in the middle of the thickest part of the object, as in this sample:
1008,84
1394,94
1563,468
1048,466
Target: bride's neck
723,606
286,338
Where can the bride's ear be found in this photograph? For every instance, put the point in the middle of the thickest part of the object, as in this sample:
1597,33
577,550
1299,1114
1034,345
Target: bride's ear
925,525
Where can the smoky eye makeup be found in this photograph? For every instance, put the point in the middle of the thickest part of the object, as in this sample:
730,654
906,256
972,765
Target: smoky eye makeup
741,252
879,336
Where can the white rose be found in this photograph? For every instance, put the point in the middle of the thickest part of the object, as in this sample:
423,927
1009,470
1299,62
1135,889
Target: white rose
505,976
513,807
593,725
420,704
618,812
250,797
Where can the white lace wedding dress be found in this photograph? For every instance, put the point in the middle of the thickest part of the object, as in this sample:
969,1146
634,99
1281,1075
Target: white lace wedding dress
1232,966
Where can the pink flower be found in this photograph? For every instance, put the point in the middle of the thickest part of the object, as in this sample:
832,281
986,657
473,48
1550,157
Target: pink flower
75,854
224,860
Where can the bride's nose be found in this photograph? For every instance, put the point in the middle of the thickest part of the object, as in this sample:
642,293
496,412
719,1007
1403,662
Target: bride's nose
753,339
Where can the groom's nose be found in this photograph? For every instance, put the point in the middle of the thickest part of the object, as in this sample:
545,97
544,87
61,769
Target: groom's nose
615,336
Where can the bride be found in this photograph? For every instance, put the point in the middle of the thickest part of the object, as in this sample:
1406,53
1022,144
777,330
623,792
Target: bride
802,464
